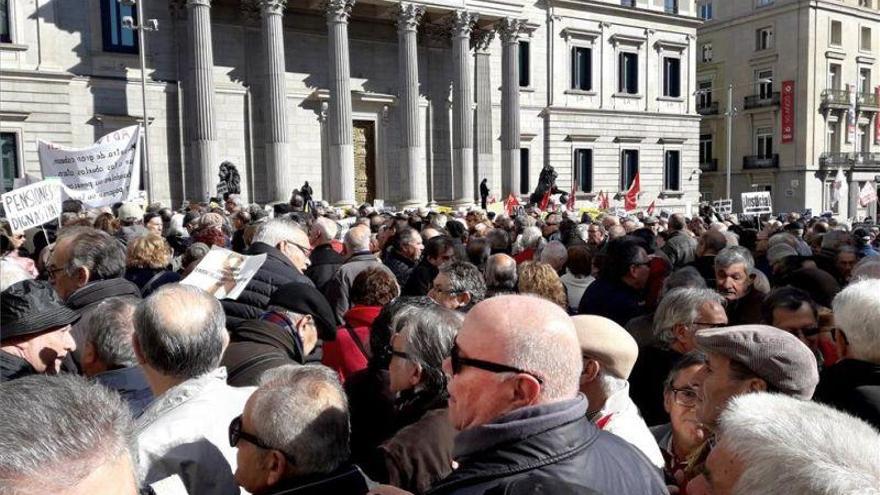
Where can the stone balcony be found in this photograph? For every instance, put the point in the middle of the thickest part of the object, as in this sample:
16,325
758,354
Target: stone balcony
710,109
758,162
857,160
710,166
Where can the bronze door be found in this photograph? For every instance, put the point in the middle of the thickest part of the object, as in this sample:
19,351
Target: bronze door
364,161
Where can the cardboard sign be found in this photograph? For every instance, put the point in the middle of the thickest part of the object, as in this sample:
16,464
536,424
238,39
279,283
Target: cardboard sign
757,203
787,105
867,194
223,273
33,205
723,206
105,173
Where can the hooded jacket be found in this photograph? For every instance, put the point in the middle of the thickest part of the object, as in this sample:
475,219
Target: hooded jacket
256,346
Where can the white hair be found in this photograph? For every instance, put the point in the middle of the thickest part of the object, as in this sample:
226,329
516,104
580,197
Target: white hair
276,231
439,221
681,306
609,383
326,228
11,273
554,254
867,268
732,238
531,237
792,446
732,255
357,239
855,312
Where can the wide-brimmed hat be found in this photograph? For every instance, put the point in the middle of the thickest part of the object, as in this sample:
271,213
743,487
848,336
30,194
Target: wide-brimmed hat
32,306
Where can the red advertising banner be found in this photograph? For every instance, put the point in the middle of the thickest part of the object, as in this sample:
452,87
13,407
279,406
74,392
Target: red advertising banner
787,111
877,119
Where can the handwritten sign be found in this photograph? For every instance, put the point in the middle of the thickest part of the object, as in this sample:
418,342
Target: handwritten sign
105,173
224,273
723,206
33,205
757,203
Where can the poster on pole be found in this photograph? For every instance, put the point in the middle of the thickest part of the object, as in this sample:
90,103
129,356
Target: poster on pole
787,105
105,173
757,203
223,273
32,205
723,206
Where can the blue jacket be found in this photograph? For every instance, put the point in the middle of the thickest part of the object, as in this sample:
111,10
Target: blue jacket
131,384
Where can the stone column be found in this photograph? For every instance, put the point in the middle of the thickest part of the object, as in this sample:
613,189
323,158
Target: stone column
485,170
463,108
510,30
413,181
854,189
202,123
339,117
275,134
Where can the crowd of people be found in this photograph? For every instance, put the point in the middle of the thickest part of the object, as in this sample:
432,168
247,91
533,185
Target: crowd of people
440,352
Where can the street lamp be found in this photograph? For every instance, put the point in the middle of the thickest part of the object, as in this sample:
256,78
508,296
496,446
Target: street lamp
145,25
729,113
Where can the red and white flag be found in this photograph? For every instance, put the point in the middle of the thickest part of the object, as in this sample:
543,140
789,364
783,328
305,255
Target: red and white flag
570,203
651,208
510,204
603,201
631,199
545,201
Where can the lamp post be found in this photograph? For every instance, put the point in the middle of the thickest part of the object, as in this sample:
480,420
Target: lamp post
143,25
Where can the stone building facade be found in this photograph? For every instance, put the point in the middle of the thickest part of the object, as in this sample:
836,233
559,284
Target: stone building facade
826,53
409,102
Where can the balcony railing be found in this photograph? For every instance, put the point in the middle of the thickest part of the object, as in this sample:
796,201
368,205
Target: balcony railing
710,166
710,109
868,100
836,159
752,162
835,98
756,101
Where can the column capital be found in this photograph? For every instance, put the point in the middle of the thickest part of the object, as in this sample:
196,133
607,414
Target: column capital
338,10
462,22
270,7
482,39
250,12
409,16
197,3
510,29
177,8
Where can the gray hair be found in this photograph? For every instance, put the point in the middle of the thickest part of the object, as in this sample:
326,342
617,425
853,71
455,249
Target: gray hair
772,433
181,331
96,250
684,277
109,328
855,312
326,228
554,254
609,383
439,221
582,231
303,412
11,273
867,268
501,272
429,334
465,277
357,239
681,306
57,430
276,231
732,255
531,237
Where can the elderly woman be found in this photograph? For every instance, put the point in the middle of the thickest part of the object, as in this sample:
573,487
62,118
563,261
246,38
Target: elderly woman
420,453
541,280
147,260
12,249
210,230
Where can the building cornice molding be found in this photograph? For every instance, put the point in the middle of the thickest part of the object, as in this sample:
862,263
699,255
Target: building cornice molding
597,7
623,113
37,75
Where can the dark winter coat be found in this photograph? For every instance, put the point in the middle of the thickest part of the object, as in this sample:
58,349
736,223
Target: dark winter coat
420,280
346,480
613,300
852,386
400,265
256,346
325,261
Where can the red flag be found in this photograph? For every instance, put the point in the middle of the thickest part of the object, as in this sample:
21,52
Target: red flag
651,208
570,203
510,204
544,201
631,199
603,201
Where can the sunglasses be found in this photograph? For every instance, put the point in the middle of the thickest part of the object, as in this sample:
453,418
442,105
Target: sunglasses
237,433
459,362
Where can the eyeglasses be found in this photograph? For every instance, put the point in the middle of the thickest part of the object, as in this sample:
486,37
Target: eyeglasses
458,362
237,433
51,271
400,354
807,332
642,263
710,325
685,397
306,251
443,291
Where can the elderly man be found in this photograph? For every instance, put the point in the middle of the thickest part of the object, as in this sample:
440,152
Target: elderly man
680,246
500,275
711,243
179,339
108,356
609,354
514,398
853,384
66,436
618,292
530,239
438,250
734,279
403,254
763,438
556,255
287,251
34,330
358,258
308,452
596,236
324,259
459,285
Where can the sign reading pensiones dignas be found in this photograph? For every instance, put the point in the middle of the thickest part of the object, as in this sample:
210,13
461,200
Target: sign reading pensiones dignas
723,206
757,203
32,205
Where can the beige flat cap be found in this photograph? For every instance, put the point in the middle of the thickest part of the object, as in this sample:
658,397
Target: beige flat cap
607,342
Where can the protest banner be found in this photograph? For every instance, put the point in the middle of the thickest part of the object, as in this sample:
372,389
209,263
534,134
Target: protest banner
105,173
867,194
224,273
32,205
757,203
723,206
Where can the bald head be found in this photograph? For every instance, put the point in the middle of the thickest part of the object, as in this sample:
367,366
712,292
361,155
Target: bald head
357,239
180,331
501,272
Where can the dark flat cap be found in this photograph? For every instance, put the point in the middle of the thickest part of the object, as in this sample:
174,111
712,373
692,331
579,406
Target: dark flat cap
306,300
774,355
32,306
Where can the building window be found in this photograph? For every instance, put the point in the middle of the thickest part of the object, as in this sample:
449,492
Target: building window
116,38
865,80
706,10
524,170
628,3
706,52
524,65
704,94
763,3
834,76
672,77
764,143
706,148
5,22
629,167
836,38
671,6
583,169
865,3
582,68
628,73
9,158
765,84
865,42
672,171
764,39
